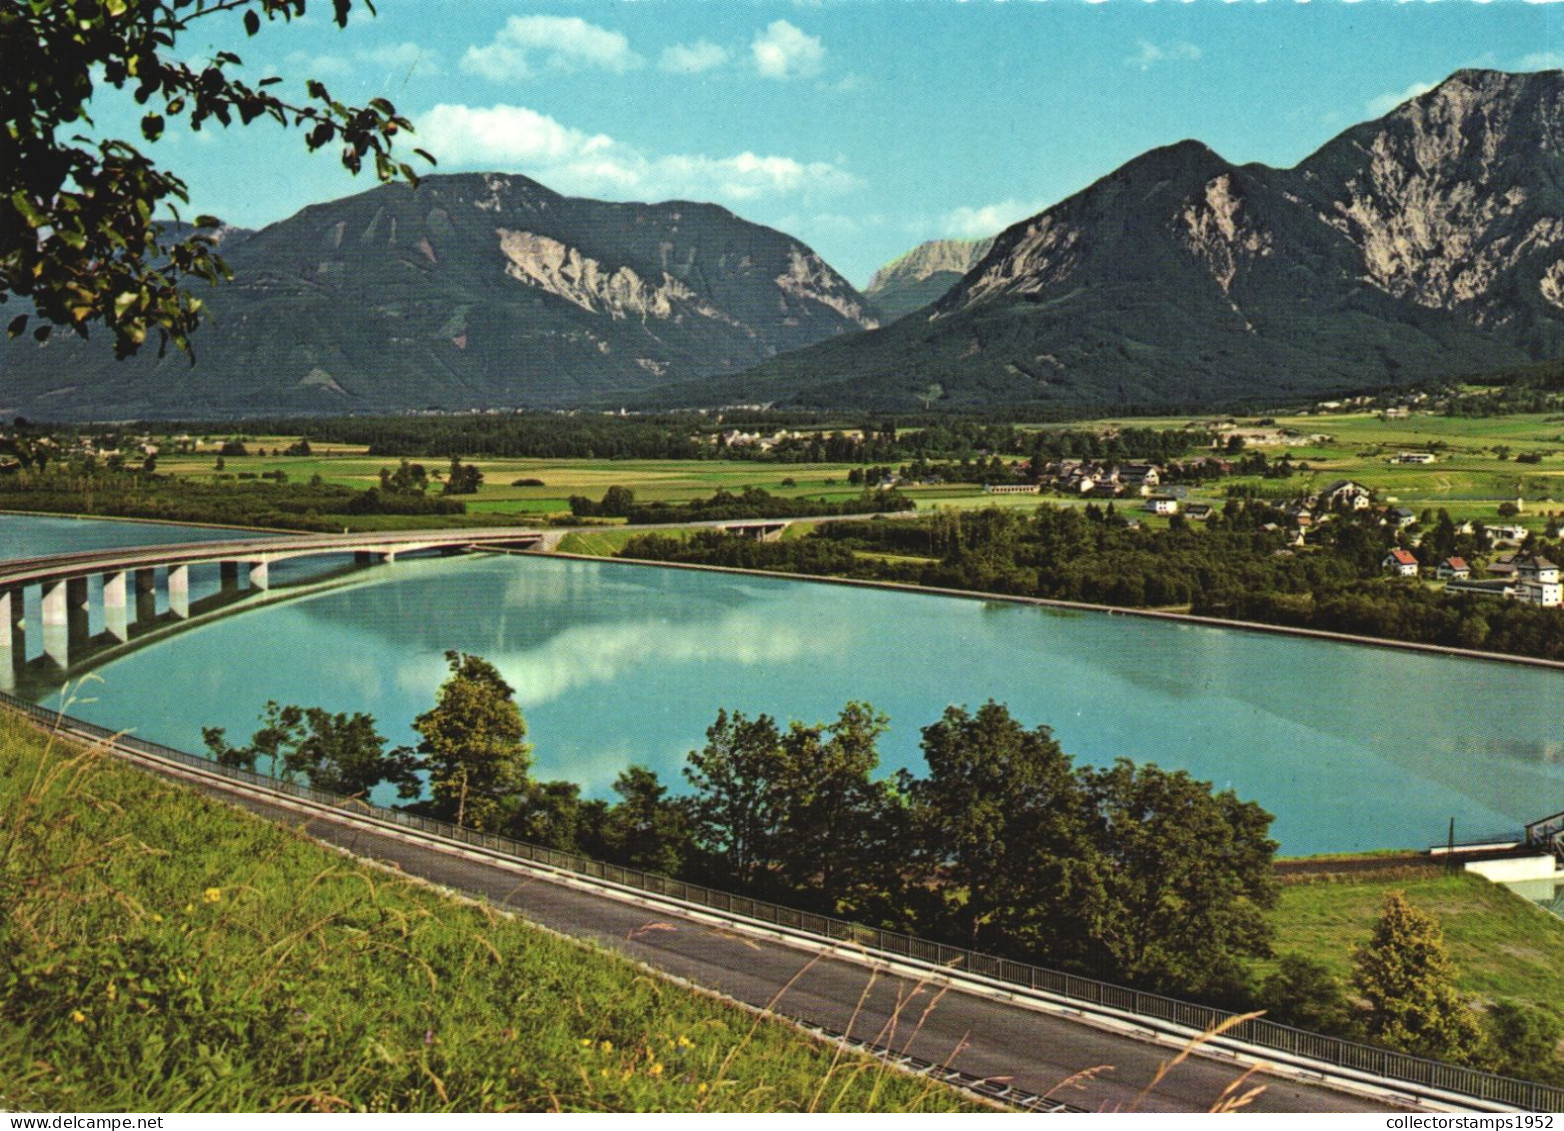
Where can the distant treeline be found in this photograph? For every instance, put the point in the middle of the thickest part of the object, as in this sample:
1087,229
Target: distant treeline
230,501
1236,568
693,436
752,503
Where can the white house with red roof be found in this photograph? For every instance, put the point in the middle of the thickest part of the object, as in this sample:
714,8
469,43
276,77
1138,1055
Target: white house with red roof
1402,563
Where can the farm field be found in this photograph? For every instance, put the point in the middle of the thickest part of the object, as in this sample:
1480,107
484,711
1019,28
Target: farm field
1476,466
1477,469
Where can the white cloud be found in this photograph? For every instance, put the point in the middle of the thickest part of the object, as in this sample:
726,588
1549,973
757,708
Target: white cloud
989,220
1385,103
1541,61
692,58
566,43
574,161
1147,54
783,51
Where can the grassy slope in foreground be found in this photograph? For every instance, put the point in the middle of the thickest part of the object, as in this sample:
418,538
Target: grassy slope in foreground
160,951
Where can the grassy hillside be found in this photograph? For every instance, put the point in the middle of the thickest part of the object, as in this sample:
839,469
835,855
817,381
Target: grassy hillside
160,951
1503,946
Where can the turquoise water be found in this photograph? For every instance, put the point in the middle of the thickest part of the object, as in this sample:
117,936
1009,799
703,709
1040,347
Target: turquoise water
29,536
1351,747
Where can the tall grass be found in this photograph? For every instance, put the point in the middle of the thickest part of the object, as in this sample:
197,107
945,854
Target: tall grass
163,951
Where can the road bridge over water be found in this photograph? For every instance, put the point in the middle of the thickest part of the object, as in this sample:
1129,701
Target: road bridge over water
127,602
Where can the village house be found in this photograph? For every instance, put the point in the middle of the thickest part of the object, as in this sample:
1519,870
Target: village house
1415,457
1162,504
1142,477
1400,517
1453,569
1538,580
1344,494
1400,562
1200,512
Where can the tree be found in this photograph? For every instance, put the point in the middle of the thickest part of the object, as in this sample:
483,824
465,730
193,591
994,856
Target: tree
281,730
1409,981
345,754
80,233
464,478
1186,875
1303,992
736,806
999,823
646,829
832,822
474,744
407,479
1525,1041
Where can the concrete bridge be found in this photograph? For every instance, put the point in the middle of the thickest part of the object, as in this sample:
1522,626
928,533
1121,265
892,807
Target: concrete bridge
128,595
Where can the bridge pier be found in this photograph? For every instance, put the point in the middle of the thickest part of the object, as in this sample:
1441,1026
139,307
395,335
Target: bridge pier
116,614
13,638
260,576
228,577
64,618
179,591
146,596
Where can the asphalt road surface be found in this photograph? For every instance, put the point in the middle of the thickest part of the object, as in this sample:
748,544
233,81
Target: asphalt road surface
1080,1064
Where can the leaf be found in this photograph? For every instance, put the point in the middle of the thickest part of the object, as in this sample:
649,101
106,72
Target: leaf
426,155
205,221
152,127
23,204
42,333
18,324
252,23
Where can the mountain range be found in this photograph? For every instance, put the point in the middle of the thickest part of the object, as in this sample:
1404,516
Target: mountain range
466,291
1425,244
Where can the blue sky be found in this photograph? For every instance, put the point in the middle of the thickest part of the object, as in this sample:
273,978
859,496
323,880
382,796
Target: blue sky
860,127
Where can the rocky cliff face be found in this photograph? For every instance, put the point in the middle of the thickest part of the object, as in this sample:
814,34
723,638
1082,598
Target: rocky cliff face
1425,244
469,291
923,274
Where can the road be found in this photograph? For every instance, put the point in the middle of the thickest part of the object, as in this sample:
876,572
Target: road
1040,1051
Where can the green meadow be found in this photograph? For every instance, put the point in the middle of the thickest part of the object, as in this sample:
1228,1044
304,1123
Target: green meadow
1503,945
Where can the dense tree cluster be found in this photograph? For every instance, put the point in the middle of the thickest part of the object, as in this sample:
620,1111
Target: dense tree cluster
808,438
65,483
751,503
1243,566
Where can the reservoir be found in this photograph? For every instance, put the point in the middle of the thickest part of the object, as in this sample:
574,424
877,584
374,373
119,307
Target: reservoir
1352,747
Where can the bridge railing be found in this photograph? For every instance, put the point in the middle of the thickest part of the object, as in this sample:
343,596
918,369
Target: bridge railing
1344,1054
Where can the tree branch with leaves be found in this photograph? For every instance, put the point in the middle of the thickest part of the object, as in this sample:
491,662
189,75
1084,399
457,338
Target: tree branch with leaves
81,231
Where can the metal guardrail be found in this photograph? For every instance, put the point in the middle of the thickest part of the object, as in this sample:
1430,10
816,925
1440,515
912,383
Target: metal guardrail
1344,1054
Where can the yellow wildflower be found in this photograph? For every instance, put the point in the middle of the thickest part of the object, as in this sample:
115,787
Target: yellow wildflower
656,1069
78,1016
607,1046
212,895
685,1042
586,1042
